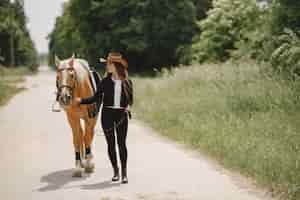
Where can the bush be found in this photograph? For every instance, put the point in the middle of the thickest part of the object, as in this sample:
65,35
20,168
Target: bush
285,14
286,58
229,23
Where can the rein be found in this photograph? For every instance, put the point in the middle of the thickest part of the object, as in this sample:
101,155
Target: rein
71,88
60,87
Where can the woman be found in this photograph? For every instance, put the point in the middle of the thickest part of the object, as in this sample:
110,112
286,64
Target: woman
117,94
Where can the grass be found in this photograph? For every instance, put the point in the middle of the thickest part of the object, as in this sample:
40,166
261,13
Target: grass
8,80
245,118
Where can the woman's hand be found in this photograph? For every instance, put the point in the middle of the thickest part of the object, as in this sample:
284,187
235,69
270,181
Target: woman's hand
127,109
77,101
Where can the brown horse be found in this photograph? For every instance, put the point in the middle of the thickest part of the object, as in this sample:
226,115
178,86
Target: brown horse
73,81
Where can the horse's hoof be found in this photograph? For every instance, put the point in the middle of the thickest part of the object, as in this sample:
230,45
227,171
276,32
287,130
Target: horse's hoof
82,165
77,174
89,168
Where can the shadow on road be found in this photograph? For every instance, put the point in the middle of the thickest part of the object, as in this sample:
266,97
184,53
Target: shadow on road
57,180
99,186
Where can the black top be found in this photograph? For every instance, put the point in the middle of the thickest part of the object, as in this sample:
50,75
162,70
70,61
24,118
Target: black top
105,92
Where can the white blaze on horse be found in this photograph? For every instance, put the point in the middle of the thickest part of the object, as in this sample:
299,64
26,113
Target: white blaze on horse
73,80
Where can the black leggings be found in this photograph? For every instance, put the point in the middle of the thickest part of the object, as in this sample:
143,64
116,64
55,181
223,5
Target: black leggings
109,119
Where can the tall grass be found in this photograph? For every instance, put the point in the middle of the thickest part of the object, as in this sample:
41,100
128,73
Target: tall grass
8,80
238,114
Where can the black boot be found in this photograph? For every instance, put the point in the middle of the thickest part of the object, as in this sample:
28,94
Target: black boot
116,176
124,176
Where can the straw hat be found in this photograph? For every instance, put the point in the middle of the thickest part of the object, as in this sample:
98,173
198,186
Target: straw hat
115,57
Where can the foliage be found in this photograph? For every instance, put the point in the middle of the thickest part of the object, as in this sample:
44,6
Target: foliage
229,23
239,114
8,82
285,14
149,33
281,39
65,39
13,22
202,6
286,58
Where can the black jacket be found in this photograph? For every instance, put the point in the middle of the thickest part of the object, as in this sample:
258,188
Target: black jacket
105,93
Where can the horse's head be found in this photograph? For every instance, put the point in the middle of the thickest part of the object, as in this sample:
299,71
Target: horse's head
66,81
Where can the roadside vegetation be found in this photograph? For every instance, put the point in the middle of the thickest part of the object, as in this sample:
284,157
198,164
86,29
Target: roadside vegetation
9,80
18,56
243,110
237,113
16,45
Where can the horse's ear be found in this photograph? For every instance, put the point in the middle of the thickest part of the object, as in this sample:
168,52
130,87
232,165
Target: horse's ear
71,62
57,61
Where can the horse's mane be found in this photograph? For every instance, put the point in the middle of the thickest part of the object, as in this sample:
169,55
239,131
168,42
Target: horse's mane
82,69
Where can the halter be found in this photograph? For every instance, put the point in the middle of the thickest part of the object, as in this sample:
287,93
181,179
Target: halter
71,88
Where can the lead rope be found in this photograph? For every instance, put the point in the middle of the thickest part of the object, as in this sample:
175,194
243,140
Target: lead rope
55,102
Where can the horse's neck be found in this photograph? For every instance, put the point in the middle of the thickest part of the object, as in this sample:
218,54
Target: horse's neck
84,88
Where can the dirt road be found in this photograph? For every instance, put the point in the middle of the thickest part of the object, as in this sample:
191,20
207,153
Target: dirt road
37,158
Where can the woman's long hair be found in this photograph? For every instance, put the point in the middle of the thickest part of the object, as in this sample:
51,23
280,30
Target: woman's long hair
121,71
123,74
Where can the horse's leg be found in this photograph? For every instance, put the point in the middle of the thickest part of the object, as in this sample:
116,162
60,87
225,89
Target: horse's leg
88,139
78,144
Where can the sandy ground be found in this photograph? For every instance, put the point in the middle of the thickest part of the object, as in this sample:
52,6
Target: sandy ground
37,158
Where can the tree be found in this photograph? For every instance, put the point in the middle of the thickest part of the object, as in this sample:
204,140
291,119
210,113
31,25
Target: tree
13,21
149,33
65,39
285,14
228,23
202,6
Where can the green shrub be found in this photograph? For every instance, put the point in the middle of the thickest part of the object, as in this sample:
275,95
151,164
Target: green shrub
228,23
286,58
8,79
284,14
